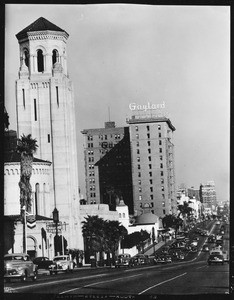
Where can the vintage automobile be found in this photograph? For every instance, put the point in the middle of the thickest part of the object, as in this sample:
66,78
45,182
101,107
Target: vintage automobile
19,265
122,260
215,259
139,259
62,263
205,248
43,262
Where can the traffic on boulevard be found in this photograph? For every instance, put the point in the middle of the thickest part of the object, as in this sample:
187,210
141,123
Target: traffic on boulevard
194,262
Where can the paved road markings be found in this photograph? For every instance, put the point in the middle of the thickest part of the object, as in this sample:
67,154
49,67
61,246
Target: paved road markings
95,283
160,283
201,267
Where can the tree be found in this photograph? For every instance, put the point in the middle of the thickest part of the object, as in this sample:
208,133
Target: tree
185,211
26,146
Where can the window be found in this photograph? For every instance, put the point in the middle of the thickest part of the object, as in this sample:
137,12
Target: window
149,158
137,136
123,215
148,143
161,173
57,96
162,180
55,56
138,151
159,134
161,157
138,166
149,150
148,136
151,189
152,204
120,216
139,181
151,181
162,188
164,211
160,150
140,197
140,189
159,127
48,138
152,211
138,158
163,204
90,137
150,174
160,142
40,61
35,109
23,97
148,128
137,144
161,165
136,128
163,196
26,58
150,166
151,197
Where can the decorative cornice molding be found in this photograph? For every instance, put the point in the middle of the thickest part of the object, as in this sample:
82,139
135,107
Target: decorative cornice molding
43,35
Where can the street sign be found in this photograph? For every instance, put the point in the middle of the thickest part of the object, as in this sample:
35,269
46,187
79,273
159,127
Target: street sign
51,227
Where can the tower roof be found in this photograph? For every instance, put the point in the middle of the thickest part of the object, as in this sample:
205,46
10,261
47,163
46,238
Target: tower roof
40,24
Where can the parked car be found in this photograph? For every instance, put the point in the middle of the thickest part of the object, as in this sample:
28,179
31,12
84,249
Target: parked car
139,259
122,260
19,265
43,262
62,263
211,239
216,259
164,259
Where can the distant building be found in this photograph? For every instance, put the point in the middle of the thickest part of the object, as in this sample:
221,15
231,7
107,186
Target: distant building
115,174
208,194
153,170
192,192
98,142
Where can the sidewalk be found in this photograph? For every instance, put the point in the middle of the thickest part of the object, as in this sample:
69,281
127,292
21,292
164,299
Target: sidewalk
150,251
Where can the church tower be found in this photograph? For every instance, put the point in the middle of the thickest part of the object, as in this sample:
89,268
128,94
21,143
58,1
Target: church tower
45,109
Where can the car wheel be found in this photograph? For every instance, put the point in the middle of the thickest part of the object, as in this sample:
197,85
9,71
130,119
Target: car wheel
34,278
24,277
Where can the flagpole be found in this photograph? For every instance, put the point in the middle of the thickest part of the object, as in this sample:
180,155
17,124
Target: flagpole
25,228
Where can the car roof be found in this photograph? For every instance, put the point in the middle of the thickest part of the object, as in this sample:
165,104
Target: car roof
15,254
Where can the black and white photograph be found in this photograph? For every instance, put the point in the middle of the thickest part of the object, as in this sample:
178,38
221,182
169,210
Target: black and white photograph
117,150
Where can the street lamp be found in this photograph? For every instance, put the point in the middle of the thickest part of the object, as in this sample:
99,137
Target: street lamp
153,238
56,220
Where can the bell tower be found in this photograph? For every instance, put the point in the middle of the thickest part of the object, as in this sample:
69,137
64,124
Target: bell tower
45,109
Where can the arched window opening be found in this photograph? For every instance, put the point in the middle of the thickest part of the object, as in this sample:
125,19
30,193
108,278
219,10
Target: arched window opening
36,198
40,61
55,57
26,58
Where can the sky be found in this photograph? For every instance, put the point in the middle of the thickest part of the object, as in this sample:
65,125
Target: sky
130,53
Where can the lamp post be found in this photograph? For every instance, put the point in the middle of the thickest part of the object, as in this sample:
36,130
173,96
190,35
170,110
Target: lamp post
153,238
24,229
56,220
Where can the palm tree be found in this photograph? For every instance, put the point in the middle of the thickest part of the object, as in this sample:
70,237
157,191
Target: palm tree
26,146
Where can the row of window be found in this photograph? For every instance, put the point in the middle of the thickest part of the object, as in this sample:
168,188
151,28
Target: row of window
147,127
92,195
104,137
40,59
150,165
148,136
121,215
92,188
151,181
150,174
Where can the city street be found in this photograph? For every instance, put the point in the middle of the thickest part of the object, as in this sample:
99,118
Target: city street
192,276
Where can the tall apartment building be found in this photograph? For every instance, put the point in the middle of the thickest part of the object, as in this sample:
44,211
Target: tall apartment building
97,142
208,194
153,172
115,175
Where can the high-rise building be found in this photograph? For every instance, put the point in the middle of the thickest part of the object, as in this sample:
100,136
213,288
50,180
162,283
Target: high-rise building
115,174
98,142
208,194
45,109
152,159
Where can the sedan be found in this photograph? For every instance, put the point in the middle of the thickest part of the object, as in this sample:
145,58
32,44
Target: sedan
43,262
19,265
216,259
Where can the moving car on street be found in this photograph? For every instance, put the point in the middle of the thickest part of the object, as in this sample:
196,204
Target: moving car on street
215,259
43,262
19,265
123,260
62,263
205,248
139,259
